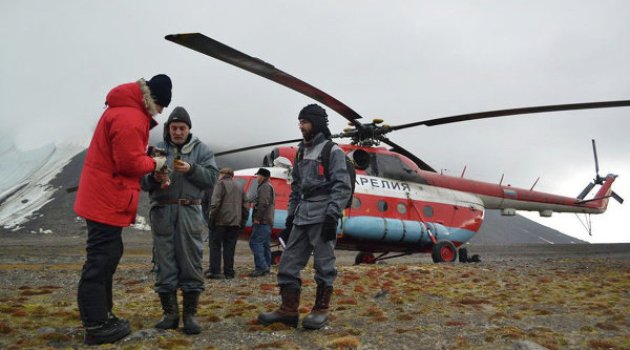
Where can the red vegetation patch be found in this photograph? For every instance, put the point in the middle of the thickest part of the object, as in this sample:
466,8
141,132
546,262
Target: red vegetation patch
19,313
54,337
607,326
472,301
4,328
601,344
267,287
347,342
271,345
455,323
29,292
347,301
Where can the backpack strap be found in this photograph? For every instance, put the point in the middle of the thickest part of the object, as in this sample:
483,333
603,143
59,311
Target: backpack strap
326,158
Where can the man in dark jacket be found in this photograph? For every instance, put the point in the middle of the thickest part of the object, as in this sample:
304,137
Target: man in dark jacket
177,220
262,218
315,206
227,214
108,196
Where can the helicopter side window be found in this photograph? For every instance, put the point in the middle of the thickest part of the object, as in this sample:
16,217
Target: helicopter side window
402,208
356,202
428,211
382,206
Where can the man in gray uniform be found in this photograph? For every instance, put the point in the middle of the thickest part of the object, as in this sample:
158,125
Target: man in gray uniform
315,207
177,220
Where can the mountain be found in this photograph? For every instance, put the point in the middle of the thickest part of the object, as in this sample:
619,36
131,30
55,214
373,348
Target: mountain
38,201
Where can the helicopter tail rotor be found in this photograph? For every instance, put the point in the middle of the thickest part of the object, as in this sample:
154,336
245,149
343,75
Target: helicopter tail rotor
598,180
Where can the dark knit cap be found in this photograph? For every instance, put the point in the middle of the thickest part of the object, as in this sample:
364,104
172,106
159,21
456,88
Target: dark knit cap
160,86
315,114
263,172
179,114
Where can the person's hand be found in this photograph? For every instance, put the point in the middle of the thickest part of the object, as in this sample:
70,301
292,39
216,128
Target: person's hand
160,176
181,166
256,221
159,162
329,229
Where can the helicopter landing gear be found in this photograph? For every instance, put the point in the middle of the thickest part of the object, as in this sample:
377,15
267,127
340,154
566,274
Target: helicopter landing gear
275,257
463,255
364,258
444,251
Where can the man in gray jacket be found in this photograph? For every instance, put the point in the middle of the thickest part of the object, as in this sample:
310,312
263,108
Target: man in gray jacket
315,207
177,220
227,214
262,223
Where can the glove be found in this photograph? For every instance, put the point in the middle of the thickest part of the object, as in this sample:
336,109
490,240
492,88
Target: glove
329,229
159,162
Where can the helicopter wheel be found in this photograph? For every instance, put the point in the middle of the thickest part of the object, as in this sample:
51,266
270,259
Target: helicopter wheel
275,257
463,255
444,251
364,258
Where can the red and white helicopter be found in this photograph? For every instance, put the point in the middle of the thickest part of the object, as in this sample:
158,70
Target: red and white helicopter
401,205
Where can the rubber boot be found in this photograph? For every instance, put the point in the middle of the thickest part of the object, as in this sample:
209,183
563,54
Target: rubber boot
287,313
170,318
191,326
318,317
108,332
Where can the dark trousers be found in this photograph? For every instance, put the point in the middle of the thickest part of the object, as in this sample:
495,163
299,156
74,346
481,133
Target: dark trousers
223,237
104,250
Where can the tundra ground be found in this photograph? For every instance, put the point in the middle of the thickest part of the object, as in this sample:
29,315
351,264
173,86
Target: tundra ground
560,297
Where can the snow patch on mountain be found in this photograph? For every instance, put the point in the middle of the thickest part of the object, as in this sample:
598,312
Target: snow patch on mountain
25,177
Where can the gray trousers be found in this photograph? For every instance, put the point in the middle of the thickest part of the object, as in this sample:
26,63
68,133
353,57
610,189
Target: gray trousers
304,240
177,248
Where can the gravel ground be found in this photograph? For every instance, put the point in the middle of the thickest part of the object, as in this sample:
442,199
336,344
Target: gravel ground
557,296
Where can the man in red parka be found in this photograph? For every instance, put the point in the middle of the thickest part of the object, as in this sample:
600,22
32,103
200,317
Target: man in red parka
108,195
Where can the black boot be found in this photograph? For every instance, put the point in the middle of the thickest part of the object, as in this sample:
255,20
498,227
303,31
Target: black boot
170,318
318,316
191,326
287,313
109,332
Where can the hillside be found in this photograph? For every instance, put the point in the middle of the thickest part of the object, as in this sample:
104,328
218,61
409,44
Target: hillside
57,216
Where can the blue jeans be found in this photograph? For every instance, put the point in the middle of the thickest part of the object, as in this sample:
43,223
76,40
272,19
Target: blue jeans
259,244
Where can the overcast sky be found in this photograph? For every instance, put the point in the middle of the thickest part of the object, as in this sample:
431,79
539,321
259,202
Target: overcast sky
403,61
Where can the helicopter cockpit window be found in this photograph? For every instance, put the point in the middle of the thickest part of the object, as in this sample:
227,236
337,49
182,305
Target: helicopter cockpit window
381,205
391,167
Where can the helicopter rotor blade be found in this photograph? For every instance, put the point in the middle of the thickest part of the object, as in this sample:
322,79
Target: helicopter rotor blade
596,161
213,48
398,149
514,111
242,149
586,190
617,197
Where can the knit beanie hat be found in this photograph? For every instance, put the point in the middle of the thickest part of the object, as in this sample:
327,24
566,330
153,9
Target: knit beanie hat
179,114
315,114
160,86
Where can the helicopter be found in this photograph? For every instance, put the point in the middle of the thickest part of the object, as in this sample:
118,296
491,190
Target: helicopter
401,205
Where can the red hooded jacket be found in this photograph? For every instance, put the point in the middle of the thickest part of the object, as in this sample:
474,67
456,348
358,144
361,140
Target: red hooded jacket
116,159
